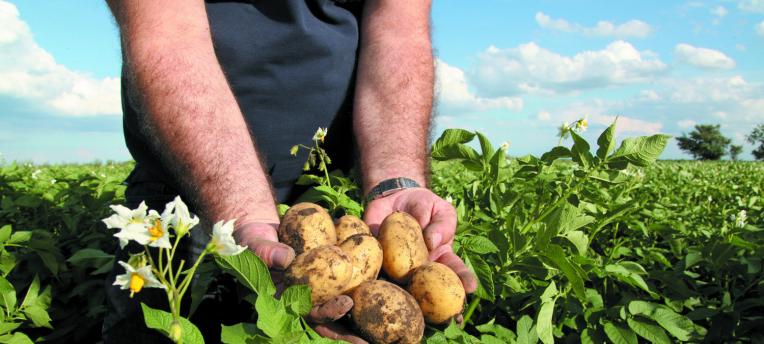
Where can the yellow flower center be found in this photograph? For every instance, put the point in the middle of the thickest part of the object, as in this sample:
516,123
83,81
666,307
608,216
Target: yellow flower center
156,230
136,283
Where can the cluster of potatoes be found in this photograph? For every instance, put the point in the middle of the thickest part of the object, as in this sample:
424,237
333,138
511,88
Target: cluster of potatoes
346,259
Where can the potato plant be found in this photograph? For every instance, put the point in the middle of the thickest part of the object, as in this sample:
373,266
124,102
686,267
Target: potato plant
570,246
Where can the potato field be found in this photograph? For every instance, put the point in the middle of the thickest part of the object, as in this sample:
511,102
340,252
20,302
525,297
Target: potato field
589,243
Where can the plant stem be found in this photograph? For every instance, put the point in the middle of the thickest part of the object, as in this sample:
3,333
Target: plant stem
470,309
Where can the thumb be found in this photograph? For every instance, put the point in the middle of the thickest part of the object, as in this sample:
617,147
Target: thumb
276,255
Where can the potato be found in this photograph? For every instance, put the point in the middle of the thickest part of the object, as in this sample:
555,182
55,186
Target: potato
326,269
365,254
306,226
350,225
385,313
438,291
403,246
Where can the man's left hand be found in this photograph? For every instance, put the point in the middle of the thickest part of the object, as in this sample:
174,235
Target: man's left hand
438,220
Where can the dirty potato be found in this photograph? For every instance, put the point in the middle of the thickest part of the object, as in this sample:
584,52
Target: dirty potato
403,246
350,225
385,313
438,291
306,226
365,253
326,269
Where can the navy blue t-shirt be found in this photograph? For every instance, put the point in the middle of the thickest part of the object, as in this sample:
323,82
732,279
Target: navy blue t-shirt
291,66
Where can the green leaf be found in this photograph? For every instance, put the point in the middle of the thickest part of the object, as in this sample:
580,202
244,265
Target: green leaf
5,233
38,315
619,334
544,326
646,330
239,333
205,274
581,151
499,331
6,327
453,136
558,152
625,272
556,257
606,142
250,270
19,237
273,319
485,146
450,145
7,294
526,331
16,338
479,245
579,239
297,299
161,321
86,254
484,273
677,325
32,292
641,151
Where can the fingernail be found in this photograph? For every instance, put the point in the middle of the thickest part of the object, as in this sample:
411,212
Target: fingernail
434,240
281,257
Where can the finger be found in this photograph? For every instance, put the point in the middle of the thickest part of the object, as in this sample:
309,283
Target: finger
375,213
338,332
332,310
442,225
275,254
448,258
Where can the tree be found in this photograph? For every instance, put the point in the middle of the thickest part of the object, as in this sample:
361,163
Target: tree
757,137
706,142
735,150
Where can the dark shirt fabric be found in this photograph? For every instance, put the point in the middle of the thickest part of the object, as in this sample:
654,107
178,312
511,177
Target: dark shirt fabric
291,66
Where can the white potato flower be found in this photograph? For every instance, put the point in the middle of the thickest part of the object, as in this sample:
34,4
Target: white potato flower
137,279
181,219
320,134
222,242
127,220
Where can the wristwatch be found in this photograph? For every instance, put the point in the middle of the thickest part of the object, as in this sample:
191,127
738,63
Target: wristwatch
390,186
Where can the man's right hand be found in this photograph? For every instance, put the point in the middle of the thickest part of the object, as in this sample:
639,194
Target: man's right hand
261,238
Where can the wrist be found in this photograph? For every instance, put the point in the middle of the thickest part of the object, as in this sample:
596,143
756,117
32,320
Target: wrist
390,186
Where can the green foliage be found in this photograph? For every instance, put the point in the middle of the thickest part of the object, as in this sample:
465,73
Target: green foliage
57,210
705,142
582,244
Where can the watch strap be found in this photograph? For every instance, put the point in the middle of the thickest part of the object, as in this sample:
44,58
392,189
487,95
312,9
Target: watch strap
389,186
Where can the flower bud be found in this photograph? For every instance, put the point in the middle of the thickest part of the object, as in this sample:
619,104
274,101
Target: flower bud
176,332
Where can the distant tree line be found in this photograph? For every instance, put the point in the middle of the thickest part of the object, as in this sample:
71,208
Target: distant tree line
706,142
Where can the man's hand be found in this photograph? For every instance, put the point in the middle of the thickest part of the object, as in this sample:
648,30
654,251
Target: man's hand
261,238
438,220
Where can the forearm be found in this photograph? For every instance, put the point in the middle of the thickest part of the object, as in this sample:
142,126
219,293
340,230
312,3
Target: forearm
394,91
190,112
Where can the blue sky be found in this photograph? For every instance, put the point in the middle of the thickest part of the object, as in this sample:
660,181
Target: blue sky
514,71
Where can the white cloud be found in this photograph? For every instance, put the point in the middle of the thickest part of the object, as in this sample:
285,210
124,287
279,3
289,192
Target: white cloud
756,6
686,124
703,57
603,113
719,11
544,116
30,73
454,95
631,28
760,28
529,68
